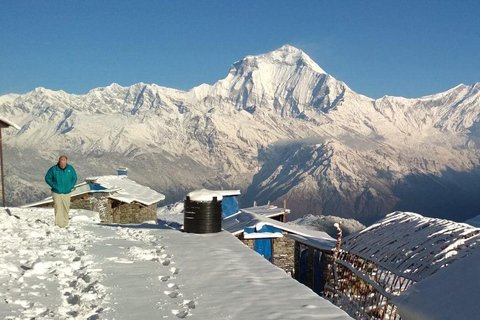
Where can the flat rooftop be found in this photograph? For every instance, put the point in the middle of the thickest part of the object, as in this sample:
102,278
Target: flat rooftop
142,271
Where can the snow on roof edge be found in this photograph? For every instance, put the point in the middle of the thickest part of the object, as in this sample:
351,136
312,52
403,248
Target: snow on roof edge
204,195
266,211
127,190
10,123
228,193
313,242
144,195
236,223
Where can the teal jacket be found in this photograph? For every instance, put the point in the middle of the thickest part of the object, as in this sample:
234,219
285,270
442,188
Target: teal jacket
61,180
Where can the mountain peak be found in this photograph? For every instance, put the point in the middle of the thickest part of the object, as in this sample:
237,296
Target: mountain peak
289,48
41,91
285,55
290,53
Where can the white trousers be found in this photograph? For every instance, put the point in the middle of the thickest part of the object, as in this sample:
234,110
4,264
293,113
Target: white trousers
61,204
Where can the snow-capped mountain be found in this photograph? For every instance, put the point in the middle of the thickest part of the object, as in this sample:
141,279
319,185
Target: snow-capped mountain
277,126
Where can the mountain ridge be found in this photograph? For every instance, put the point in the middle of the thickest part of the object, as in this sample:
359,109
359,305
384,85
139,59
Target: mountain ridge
273,111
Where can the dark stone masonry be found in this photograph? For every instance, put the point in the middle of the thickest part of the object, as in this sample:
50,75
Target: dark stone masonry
283,252
114,211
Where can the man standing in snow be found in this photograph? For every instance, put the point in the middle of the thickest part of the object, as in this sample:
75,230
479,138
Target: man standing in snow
61,178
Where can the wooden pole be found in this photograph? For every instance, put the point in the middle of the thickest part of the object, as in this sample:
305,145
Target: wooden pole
296,260
272,244
335,257
1,164
310,267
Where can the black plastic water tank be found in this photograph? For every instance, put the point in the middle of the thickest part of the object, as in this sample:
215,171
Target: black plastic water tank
202,216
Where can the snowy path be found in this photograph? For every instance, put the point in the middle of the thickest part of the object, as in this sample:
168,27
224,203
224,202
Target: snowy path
140,272
92,271
46,271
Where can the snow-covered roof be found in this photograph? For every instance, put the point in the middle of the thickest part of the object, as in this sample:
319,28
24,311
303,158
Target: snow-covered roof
413,246
228,193
115,187
315,242
204,195
236,224
262,235
266,211
9,123
127,190
81,188
451,293
147,271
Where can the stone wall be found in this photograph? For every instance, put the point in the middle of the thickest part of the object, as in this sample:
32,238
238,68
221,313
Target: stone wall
283,253
95,203
80,202
113,211
103,207
132,212
248,242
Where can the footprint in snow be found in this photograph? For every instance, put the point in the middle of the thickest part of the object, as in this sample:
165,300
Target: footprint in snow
172,286
163,278
189,304
165,262
172,294
180,313
123,261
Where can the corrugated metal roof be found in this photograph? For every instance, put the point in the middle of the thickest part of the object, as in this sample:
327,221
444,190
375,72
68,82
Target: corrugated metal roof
413,246
266,211
236,223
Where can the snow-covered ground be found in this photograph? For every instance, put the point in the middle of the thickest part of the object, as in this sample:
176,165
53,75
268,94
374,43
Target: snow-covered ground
172,211
171,214
149,271
46,271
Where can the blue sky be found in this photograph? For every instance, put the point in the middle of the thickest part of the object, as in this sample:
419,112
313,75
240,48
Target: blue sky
402,48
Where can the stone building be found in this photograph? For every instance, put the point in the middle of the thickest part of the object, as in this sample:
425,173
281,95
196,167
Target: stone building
261,228
116,198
